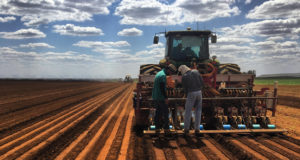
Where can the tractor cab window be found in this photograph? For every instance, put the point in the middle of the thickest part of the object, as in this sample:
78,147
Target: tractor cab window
185,48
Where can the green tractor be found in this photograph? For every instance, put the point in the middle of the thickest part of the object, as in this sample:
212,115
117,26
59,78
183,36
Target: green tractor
229,102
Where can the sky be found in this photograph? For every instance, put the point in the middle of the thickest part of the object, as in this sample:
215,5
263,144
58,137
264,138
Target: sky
94,39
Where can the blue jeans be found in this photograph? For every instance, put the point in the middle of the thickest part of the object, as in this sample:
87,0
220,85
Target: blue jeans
194,99
161,113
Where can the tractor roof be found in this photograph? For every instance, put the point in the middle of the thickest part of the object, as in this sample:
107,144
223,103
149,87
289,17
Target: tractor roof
189,32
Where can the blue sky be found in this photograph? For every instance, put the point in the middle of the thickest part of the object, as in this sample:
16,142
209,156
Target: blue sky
109,39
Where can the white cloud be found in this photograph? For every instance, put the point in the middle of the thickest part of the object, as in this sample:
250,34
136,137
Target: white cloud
266,28
72,30
248,1
152,12
130,32
115,52
23,34
237,40
35,45
152,54
276,48
204,10
17,64
281,20
12,54
275,38
239,44
275,9
7,19
6,52
159,45
232,50
111,51
94,44
289,44
34,13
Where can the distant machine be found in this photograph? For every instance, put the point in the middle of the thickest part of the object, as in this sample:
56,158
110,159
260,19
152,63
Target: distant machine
230,104
128,79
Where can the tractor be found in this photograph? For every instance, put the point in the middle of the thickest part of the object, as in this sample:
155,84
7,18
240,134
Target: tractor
230,104
128,79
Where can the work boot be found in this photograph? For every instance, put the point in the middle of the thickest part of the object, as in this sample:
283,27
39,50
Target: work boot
197,133
157,131
185,133
167,132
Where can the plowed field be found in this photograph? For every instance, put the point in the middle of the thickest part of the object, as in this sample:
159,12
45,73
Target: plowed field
94,120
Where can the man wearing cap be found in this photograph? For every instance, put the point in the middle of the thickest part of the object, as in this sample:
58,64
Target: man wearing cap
192,83
160,97
215,61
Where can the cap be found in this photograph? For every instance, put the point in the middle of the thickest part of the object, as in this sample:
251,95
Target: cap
172,68
163,62
183,69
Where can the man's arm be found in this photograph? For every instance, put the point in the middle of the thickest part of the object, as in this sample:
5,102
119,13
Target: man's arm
183,82
162,87
201,80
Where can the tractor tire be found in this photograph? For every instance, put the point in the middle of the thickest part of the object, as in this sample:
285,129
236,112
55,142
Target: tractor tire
149,69
229,68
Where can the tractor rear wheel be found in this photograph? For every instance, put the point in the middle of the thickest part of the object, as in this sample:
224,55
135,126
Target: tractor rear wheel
229,68
149,69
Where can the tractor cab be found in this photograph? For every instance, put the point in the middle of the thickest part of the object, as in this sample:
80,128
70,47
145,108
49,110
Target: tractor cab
182,47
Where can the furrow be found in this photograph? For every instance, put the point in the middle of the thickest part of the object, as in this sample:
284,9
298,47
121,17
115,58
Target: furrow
44,124
256,147
72,150
60,141
125,142
276,148
226,142
98,141
220,148
21,118
115,147
15,152
203,148
189,151
286,144
88,132
214,149
43,99
178,154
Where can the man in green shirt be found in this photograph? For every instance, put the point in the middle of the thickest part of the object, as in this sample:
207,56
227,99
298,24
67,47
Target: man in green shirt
160,97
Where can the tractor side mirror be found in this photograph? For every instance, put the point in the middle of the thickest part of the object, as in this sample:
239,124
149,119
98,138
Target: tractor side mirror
214,39
155,39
